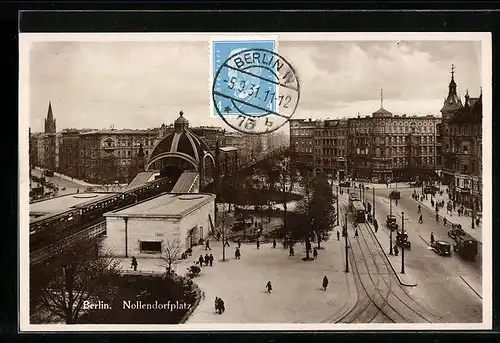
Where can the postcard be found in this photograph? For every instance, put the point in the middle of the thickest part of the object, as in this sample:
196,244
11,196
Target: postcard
255,181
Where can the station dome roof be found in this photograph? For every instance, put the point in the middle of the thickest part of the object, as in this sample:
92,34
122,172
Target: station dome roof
181,143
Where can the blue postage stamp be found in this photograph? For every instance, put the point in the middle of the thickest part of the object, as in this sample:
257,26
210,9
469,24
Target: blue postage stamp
240,84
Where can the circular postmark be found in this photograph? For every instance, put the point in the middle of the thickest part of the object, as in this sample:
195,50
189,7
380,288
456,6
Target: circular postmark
255,91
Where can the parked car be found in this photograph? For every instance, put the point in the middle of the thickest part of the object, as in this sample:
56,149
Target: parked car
391,222
456,231
442,248
402,240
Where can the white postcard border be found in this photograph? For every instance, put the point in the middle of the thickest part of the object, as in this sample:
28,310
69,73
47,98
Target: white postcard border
25,41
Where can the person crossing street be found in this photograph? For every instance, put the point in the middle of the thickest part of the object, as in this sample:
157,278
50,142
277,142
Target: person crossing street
325,283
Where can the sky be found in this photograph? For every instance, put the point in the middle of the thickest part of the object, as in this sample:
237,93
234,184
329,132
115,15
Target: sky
145,84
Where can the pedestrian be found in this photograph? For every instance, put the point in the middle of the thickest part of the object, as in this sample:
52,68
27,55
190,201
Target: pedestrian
134,263
338,235
207,260
396,250
218,236
420,220
237,254
239,243
216,305
269,287
211,259
274,243
445,221
222,307
258,243
207,245
226,244
200,260
437,217
292,253
356,233
432,238
419,209
315,253
325,282
477,221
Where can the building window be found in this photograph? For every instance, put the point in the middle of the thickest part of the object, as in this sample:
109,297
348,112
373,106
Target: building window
150,247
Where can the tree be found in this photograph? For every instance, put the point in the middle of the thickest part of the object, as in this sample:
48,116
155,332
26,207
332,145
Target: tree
286,178
321,208
223,227
269,175
172,255
299,226
313,215
77,276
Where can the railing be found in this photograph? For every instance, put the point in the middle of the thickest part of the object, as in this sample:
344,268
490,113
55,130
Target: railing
46,252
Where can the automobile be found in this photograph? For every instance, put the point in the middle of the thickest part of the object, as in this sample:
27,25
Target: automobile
391,222
456,231
395,195
345,184
442,248
417,183
402,240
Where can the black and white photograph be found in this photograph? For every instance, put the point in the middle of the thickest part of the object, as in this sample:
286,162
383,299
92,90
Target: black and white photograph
215,181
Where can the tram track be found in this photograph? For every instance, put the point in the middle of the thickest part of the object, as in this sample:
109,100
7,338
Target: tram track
377,298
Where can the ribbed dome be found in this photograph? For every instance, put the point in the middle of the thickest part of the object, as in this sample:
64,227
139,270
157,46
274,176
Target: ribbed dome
181,143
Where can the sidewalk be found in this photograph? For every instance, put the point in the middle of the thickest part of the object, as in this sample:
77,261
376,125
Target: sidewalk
454,218
383,238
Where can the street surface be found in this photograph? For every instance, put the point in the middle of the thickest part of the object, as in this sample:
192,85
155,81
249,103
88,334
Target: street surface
443,283
297,295
71,187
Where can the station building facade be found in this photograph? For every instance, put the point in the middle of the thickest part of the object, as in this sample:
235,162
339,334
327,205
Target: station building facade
147,229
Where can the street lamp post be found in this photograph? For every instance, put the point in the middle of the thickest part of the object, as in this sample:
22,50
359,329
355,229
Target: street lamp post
374,202
337,205
346,251
126,236
472,201
402,246
390,242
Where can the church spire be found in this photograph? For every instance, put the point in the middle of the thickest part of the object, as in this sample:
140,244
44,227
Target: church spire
452,86
381,98
50,122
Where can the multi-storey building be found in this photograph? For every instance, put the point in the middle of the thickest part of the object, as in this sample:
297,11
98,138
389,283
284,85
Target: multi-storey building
69,152
330,147
302,142
110,155
387,147
462,148
210,135
378,148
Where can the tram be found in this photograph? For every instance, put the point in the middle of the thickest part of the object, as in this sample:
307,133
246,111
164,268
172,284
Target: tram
353,196
358,209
